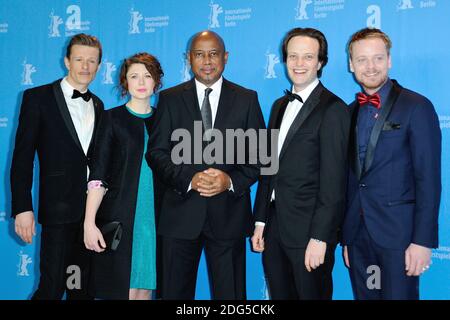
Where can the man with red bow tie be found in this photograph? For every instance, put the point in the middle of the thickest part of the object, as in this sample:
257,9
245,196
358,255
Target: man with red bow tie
394,182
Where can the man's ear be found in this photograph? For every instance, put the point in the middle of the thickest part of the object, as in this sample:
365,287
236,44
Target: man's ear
67,63
225,57
188,56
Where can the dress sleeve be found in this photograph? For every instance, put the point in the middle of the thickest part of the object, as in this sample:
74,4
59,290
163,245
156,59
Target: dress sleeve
101,158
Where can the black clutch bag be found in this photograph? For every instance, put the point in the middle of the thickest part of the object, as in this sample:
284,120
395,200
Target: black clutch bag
112,234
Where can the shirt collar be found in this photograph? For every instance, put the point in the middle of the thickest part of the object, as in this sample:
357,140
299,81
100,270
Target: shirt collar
305,93
216,87
67,88
384,91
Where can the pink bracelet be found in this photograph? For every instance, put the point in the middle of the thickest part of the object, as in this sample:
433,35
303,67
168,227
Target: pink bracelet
95,184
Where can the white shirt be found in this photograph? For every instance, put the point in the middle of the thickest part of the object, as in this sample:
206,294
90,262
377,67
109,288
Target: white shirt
292,110
82,114
214,96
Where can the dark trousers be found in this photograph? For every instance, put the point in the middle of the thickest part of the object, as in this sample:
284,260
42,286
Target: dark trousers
368,261
284,267
225,260
61,254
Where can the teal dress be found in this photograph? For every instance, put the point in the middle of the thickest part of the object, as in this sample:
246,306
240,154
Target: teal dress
143,261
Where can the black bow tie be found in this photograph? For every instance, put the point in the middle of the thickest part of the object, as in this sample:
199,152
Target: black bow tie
292,96
86,96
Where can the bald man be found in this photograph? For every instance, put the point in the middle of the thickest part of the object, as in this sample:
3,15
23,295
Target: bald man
206,206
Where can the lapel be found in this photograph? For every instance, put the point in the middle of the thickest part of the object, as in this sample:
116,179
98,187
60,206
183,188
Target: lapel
355,164
62,106
304,112
191,100
225,106
385,111
277,113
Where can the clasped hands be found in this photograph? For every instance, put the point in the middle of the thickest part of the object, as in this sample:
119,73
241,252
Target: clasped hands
210,182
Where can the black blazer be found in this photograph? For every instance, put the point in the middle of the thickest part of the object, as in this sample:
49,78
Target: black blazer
45,126
310,183
117,160
183,213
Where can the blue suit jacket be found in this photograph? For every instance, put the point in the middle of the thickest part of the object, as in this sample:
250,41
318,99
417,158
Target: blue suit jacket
398,187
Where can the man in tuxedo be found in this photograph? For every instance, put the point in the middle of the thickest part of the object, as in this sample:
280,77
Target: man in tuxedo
298,210
206,203
394,181
58,121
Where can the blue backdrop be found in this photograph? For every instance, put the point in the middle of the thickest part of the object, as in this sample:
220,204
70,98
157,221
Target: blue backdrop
33,35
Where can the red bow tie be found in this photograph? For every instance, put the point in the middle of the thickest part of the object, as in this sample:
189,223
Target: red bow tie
373,99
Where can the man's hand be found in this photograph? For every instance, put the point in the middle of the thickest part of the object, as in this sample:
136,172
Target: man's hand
417,259
211,182
25,226
346,260
257,239
315,254
200,178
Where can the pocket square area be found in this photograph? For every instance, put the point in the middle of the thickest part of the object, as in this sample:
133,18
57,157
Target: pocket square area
388,125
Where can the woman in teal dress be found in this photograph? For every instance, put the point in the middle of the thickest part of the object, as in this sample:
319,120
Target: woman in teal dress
121,188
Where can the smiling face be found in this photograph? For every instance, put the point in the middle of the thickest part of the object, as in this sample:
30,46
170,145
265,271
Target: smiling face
82,66
140,82
302,61
207,57
370,62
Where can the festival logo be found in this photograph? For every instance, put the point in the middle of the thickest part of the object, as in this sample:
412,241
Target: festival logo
318,9
151,24
301,9
28,70
216,9
271,60
135,18
108,71
55,22
22,267
73,23
404,5
185,69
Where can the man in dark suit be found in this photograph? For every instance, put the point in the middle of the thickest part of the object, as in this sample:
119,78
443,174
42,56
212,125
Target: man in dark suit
298,210
206,203
58,121
394,184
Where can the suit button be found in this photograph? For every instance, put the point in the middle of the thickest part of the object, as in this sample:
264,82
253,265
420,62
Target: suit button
362,185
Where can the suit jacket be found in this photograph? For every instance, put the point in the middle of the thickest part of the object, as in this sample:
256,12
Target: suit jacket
45,126
310,183
398,187
183,214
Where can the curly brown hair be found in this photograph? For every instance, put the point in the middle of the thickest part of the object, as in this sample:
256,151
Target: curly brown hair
151,64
